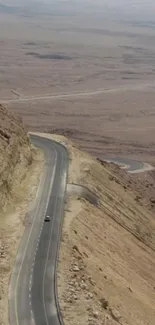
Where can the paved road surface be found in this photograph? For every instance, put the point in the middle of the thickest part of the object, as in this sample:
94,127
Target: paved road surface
131,166
33,293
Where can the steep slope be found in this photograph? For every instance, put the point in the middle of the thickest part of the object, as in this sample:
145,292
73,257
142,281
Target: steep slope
20,169
107,258
15,154
107,254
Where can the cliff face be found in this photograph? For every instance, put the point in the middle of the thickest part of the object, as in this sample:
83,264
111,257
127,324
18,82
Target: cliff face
15,155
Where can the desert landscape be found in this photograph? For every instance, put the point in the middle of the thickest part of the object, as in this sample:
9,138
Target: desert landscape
107,61
85,73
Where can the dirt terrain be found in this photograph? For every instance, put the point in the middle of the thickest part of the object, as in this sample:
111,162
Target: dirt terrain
16,155
107,254
118,124
107,259
41,56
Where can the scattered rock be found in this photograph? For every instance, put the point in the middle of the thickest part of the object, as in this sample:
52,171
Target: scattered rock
91,281
75,268
95,314
115,314
75,249
83,285
73,276
89,295
70,300
91,321
84,277
75,297
104,303
130,289
82,267
137,198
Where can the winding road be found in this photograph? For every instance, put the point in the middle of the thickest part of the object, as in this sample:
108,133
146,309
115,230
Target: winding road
33,289
131,166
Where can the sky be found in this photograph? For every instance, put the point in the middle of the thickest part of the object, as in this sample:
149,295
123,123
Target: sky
144,9
145,4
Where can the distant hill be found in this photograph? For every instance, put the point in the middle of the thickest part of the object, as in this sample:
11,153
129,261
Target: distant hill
8,9
50,7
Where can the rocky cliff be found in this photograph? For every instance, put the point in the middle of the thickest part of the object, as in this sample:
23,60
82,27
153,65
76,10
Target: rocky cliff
15,154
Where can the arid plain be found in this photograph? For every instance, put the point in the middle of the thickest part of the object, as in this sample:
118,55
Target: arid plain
89,77
110,61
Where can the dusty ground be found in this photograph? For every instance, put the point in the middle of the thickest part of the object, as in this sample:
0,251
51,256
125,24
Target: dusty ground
118,124
42,56
12,224
107,255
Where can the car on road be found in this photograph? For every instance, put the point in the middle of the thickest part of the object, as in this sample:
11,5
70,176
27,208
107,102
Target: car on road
47,218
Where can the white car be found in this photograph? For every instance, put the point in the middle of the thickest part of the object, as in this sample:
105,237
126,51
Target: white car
47,218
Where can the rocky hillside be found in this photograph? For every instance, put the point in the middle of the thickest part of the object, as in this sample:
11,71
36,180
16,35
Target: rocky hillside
15,154
107,254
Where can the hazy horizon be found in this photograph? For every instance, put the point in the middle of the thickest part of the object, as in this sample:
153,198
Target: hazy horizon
139,9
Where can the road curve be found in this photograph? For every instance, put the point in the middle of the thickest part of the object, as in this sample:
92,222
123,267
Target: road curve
33,290
131,166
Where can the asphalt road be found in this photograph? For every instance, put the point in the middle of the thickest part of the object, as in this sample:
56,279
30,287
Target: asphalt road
132,165
33,288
